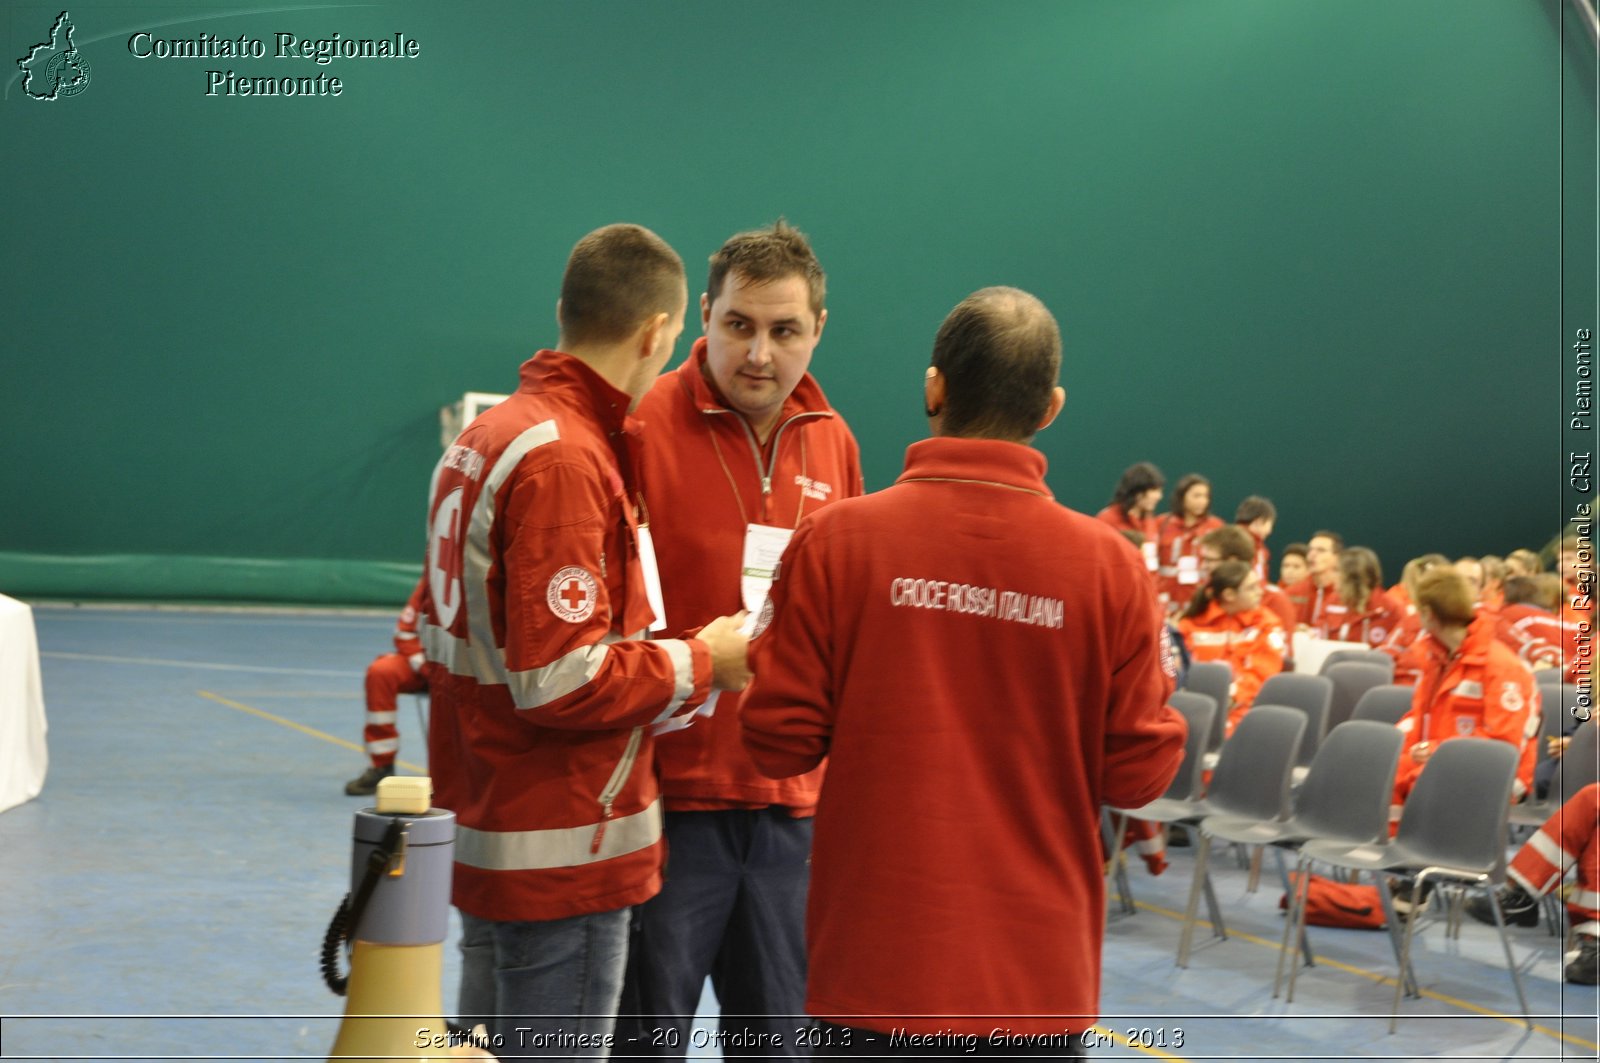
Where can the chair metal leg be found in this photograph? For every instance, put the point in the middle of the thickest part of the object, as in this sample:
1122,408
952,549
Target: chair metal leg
1418,889
1391,923
1254,881
1119,862
1283,875
1302,891
1196,887
1511,963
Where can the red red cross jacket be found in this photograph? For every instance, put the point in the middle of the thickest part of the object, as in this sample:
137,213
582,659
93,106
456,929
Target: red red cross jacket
406,642
1534,634
1178,555
1372,625
705,479
1480,691
542,688
982,668
1252,643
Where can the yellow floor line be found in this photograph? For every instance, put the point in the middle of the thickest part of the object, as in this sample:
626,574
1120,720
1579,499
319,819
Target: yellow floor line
312,731
1382,979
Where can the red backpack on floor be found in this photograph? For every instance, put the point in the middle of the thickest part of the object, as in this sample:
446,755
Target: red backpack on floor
1330,903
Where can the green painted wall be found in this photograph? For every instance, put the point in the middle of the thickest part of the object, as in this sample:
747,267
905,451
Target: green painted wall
1313,249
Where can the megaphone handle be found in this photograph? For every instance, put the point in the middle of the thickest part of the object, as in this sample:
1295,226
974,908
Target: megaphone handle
348,916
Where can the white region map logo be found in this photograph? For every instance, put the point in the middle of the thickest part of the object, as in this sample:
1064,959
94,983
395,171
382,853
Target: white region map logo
55,68
572,594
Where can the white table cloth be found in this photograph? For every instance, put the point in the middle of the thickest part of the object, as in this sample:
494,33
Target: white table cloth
23,756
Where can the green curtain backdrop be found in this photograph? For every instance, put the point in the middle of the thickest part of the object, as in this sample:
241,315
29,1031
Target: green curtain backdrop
1329,252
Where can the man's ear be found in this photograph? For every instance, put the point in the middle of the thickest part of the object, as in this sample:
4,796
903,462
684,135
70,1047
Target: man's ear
705,312
651,333
933,393
1058,399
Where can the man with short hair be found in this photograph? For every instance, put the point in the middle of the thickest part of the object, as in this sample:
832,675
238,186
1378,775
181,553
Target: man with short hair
543,686
1320,589
743,444
982,668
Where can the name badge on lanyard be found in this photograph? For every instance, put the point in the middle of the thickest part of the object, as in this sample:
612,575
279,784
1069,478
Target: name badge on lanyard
652,578
763,546
1151,560
1188,570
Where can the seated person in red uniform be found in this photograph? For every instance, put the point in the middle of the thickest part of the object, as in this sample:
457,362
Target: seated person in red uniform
1225,622
1232,543
1178,550
1569,839
982,668
389,676
1292,565
1312,595
1257,515
1529,622
1471,687
1404,643
1364,612
1133,506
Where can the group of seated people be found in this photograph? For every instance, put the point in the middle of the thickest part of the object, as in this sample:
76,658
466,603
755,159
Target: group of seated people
1467,635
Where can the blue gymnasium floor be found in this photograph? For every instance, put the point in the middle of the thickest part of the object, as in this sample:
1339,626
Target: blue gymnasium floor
166,896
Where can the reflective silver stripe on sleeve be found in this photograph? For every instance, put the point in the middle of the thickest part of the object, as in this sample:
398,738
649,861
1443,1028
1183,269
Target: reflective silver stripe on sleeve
534,850
682,674
569,672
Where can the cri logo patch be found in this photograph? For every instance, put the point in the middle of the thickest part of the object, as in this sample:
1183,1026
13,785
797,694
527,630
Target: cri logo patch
572,594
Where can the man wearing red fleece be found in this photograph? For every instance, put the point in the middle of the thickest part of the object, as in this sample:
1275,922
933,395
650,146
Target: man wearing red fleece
742,444
982,668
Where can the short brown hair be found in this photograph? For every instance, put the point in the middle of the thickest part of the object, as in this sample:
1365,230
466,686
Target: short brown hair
1444,591
999,352
1527,559
617,278
1255,508
1232,542
1543,590
762,256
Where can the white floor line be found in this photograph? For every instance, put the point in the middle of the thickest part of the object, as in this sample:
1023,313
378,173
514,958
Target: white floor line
59,655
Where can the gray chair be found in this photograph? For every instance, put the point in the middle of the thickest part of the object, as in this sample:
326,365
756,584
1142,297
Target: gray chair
1310,694
1452,827
1557,721
1549,677
1578,767
1216,679
1351,679
1345,797
1251,780
1386,704
1377,658
1197,710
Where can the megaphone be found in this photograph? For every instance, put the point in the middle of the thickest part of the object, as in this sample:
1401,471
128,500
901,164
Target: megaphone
395,920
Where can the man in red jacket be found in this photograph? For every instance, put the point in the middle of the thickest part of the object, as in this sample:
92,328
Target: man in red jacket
1313,595
544,686
982,668
389,676
742,445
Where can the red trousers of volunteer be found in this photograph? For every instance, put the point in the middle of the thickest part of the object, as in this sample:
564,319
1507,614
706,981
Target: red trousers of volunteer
387,678
1567,840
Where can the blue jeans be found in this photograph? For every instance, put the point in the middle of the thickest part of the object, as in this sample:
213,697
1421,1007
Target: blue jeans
542,987
733,908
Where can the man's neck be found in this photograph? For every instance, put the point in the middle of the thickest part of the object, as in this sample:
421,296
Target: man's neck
1326,579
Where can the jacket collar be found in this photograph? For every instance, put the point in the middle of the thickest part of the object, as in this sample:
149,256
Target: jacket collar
553,372
991,461
807,396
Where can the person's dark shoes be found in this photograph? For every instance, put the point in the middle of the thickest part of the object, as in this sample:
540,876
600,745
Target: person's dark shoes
367,782
1402,892
1582,967
1177,837
1518,907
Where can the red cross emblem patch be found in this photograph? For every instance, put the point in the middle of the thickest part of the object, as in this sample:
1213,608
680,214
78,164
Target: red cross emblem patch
572,594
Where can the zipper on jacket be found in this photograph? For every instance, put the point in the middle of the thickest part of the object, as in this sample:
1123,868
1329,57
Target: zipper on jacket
614,785
765,471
